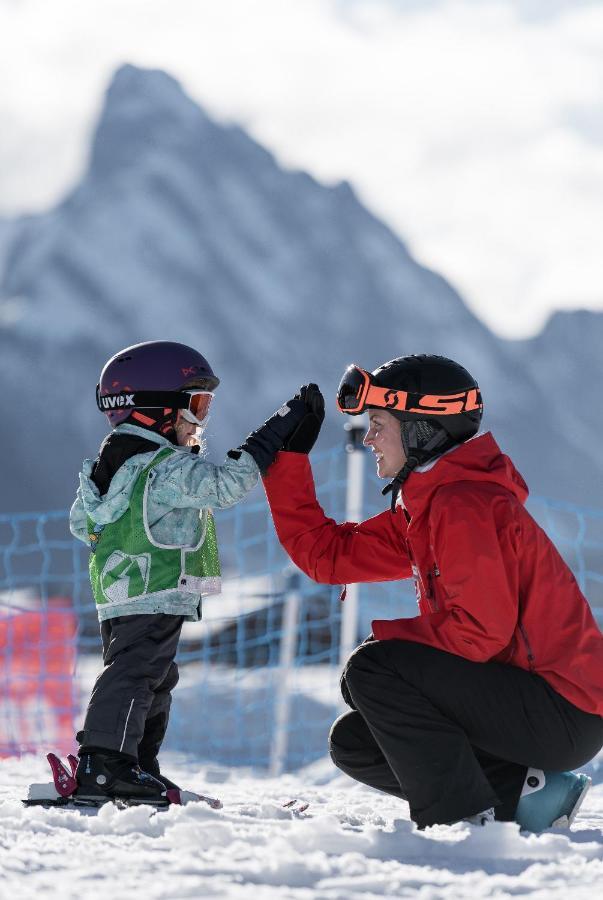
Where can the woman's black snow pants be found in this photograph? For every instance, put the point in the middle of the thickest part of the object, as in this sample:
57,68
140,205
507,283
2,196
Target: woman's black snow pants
451,736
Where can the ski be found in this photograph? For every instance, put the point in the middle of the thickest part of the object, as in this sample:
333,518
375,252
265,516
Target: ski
81,803
45,795
61,793
178,797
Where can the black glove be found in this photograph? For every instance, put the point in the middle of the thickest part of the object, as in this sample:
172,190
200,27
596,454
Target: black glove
265,442
304,437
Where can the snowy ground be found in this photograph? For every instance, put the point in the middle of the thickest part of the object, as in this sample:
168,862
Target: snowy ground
351,843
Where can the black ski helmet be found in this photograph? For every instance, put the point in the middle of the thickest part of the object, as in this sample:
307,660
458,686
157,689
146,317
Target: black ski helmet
437,401
440,392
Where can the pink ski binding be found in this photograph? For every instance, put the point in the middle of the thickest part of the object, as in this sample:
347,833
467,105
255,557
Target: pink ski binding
64,781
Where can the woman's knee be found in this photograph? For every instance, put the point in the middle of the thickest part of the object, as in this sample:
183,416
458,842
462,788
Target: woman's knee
366,660
348,735
405,660
337,734
370,665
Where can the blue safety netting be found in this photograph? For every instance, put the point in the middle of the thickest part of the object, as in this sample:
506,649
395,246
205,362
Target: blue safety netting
239,702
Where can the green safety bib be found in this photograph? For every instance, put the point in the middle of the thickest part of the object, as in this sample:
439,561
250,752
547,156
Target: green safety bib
127,564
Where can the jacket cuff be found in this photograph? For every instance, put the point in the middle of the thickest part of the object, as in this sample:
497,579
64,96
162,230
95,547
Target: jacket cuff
287,462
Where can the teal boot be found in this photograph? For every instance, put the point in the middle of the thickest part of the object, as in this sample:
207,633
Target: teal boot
550,799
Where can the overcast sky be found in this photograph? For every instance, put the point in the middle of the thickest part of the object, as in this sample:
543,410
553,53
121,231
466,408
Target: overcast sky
473,127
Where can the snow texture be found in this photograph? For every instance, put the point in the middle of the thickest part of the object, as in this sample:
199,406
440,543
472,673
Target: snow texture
351,843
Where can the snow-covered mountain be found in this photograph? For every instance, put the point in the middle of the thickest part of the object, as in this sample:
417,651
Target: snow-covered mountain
186,229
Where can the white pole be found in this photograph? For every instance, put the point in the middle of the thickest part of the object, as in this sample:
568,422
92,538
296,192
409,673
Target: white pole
291,606
353,513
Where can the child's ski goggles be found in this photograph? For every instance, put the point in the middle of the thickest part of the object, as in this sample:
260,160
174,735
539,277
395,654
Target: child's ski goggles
198,407
357,392
194,404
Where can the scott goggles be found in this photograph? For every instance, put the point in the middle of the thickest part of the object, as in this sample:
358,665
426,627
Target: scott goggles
357,392
194,403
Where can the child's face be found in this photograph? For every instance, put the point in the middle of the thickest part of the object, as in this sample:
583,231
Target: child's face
186,432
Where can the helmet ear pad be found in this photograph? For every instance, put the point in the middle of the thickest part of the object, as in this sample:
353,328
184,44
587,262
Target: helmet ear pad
422,439
160,421
416,433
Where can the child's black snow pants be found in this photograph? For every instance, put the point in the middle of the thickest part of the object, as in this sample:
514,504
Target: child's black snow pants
451,736
130,702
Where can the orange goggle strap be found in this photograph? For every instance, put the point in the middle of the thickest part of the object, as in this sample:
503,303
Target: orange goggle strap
369,394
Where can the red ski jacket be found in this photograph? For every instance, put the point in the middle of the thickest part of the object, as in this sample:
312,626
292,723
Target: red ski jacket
490,584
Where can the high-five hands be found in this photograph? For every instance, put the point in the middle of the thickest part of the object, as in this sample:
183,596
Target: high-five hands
304,437
294,427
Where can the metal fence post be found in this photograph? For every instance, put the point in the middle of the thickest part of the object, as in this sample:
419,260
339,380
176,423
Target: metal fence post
282,705
353,513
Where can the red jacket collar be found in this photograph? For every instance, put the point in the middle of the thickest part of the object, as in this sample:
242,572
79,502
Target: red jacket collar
479,459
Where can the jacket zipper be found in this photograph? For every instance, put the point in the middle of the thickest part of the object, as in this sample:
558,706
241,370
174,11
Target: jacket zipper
528,647
431,596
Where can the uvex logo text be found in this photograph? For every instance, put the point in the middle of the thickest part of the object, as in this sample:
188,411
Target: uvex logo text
112,401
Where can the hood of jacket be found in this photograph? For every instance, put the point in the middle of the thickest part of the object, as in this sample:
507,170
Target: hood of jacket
479,459
107,482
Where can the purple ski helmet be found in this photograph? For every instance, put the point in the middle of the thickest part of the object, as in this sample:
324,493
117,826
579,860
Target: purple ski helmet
161,366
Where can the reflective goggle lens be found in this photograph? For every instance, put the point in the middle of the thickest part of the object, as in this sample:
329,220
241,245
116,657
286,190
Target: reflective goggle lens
199,404
353,389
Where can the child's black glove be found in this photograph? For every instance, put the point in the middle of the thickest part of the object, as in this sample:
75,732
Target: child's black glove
265,442
304,437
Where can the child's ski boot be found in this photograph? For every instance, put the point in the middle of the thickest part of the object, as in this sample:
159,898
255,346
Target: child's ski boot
176,794
148,749
550,799
151,765
106,774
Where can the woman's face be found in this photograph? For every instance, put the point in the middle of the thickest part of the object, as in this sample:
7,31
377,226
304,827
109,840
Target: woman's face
385,440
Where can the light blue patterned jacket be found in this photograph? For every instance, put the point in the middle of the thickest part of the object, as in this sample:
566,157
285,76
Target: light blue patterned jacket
184,485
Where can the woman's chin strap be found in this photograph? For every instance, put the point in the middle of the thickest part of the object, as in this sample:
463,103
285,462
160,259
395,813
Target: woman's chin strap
396,483
439,441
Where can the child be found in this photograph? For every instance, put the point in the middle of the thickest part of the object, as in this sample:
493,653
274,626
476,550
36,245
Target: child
144,507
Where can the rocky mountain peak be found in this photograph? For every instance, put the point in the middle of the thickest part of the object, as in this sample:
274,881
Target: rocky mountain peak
187,229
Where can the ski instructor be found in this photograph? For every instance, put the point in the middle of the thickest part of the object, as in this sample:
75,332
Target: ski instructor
478,707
